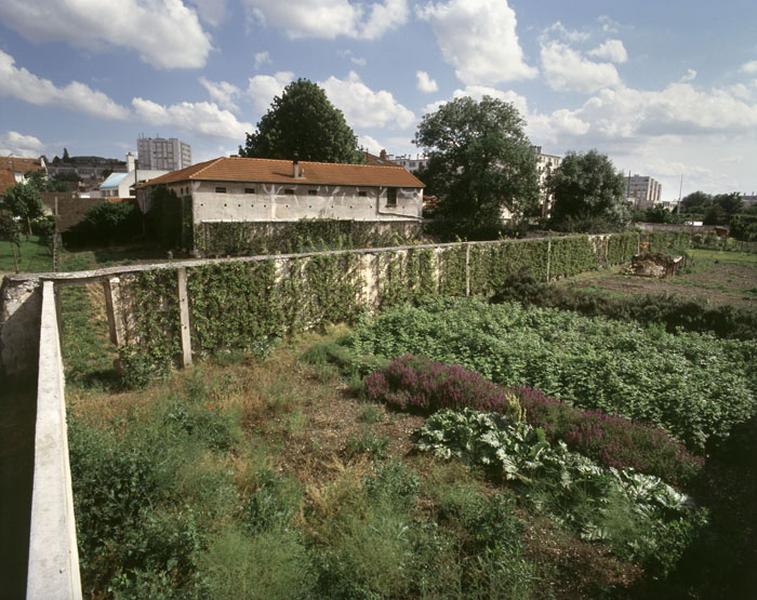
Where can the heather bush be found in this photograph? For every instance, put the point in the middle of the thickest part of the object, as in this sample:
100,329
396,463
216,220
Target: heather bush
421,385
425,386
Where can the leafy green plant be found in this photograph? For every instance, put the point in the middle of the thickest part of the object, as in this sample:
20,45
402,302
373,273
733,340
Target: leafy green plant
694,385
601,504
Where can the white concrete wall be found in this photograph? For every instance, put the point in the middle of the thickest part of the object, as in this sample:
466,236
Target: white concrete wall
53,570
270,202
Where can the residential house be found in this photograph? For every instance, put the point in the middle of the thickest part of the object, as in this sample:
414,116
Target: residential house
13,170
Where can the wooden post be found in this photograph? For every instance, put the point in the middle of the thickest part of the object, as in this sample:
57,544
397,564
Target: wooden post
112,290
549,255
467,269
186,338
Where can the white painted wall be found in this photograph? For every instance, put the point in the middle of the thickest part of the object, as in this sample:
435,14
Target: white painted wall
270,203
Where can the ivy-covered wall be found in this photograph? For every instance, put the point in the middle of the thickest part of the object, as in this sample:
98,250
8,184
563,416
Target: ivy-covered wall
249,238
246,304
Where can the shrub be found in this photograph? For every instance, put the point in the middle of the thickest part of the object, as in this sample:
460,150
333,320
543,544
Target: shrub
109,222
422,385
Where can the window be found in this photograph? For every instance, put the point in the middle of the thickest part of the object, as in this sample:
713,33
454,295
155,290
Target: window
312,192
289,191
220,190
249,190
362,194
391,197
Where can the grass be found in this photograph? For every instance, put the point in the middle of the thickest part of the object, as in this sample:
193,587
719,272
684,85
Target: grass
713,276
187,488
33,257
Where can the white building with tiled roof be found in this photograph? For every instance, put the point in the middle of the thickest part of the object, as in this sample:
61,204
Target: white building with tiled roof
265,191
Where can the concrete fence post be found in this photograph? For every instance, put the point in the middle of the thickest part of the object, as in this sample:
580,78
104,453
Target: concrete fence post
467,269
186,333
112,291
549,257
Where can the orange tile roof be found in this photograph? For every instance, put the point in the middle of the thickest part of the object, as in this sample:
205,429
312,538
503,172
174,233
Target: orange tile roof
264,170
7,179
19,165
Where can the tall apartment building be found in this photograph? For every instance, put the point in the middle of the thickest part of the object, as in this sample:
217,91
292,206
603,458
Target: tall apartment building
545,163
161,154
411,163
643,191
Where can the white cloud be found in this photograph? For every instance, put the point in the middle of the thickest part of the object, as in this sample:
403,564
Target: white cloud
612,50
13,143
213,12
205,118
477,92
329,19
364,107
608,25
566,69
165,33
750,67
360,62
17,82
222,93
558,30
478,38
262,58
263,88
425,83
370,144
690,75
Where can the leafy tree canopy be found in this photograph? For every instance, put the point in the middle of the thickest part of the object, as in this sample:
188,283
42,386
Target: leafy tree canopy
696,202
480,162
303,123
587,188
23,201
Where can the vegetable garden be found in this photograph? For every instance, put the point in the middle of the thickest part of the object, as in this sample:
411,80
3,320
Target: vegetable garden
442,448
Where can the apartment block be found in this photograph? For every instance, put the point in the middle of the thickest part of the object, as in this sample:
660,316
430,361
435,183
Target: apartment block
163,154
643,191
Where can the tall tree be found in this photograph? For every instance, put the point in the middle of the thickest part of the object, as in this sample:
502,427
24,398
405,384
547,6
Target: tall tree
66,157
696,202
302,123
23,201
480,162
588,193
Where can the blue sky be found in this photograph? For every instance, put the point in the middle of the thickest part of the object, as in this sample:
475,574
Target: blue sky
665,88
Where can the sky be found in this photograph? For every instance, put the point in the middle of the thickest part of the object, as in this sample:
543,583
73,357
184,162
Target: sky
667,89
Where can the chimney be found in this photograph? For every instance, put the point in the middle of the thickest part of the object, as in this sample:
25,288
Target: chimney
297,169
129,162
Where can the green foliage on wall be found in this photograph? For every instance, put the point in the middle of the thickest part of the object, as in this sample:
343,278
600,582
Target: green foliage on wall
490,264
452,271
235,239
154,342
247,305
572,255
622,246
406,275
665,242
232,306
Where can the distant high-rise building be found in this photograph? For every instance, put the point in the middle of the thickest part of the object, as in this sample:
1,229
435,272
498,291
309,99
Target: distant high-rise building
642,191
163,154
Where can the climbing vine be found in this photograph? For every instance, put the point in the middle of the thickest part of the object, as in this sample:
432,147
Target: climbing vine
153,336
232,306
246,305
